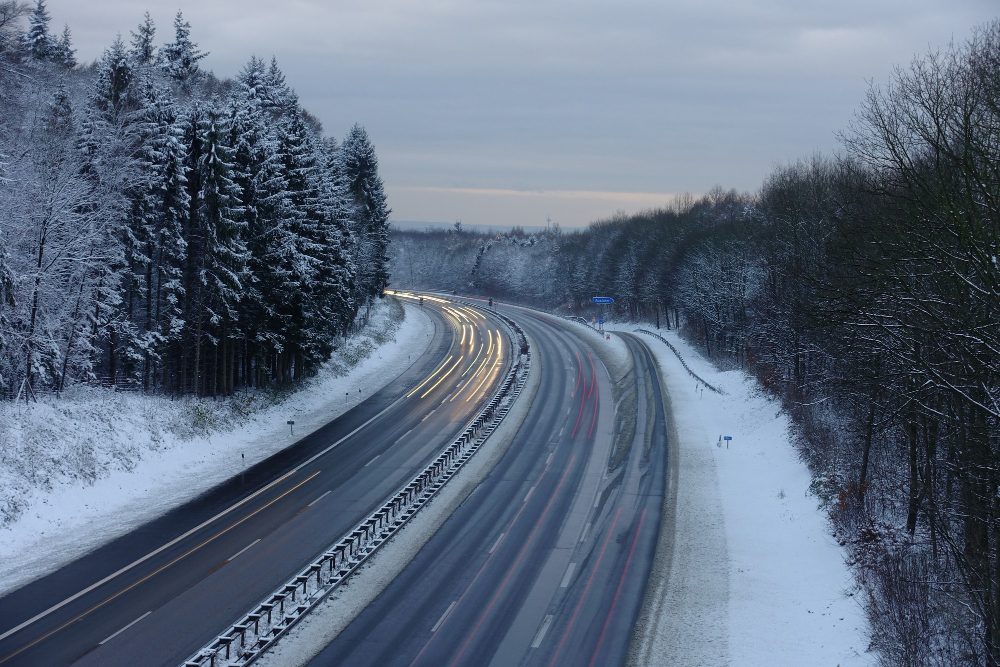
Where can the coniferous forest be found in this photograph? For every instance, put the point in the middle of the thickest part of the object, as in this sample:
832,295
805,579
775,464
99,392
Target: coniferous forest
169,230
863,291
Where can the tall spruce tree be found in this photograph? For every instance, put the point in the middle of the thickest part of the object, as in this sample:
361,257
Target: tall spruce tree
38,40
143,49
181,57
360,168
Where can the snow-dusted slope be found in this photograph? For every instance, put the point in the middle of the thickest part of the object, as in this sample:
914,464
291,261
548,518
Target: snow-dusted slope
755,576
139,456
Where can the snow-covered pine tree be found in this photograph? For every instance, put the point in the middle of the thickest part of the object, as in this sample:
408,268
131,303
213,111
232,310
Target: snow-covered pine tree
277,96
222,260
63,52
180,57
360,168
143,49
110,142
302,222
258,170
339,272
38,42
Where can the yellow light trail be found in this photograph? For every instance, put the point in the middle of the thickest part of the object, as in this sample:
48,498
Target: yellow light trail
474,376
429,377
462,342
481,346
443,377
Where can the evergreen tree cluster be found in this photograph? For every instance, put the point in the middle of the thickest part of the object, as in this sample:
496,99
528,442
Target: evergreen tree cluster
167,229
863,291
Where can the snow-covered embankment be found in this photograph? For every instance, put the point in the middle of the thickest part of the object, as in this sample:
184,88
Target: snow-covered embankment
78,471
751,573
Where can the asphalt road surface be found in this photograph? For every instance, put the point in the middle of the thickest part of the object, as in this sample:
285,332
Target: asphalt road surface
158,594
546,561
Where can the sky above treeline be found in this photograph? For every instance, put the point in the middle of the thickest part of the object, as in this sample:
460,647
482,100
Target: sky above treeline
509,112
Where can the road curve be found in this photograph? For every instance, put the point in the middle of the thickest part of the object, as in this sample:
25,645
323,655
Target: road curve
546,561
156,595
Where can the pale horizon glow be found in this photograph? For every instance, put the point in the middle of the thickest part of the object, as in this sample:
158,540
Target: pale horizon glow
513,111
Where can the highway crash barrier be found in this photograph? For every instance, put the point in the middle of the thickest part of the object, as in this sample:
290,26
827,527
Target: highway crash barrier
247,639
681,359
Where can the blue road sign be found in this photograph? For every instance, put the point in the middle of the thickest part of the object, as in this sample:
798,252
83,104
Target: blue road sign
728,437
603,299
600,320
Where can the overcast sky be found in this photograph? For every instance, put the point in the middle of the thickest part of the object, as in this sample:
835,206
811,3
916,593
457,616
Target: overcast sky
507,112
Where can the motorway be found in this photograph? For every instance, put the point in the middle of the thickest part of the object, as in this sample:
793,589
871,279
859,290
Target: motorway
546,562
161,592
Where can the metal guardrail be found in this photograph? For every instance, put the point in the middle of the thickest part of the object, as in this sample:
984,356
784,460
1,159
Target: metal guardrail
681,359
255,632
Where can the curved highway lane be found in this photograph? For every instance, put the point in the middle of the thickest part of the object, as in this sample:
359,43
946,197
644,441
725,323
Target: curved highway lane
156,595
546,562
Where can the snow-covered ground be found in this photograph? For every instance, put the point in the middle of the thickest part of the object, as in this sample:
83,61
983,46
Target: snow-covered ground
79,471
755,577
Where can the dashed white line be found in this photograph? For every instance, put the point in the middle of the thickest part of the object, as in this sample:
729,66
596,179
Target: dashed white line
530,491
541,632
444,616
549,460
125,628
404,435
561,430
373,460
497,543
568,575
429,414
315,501
243,550
586,529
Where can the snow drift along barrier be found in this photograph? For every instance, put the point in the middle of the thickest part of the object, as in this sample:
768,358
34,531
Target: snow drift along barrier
681,359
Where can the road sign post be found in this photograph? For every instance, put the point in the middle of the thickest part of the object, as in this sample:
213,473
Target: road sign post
727,438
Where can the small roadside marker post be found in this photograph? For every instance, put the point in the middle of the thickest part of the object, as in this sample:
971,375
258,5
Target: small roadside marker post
727,438
291,426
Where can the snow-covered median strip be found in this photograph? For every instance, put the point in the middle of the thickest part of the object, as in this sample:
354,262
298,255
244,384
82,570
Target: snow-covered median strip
754,577
146,456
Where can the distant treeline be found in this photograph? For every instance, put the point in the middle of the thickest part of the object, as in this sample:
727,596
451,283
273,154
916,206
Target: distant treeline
162,227
864,291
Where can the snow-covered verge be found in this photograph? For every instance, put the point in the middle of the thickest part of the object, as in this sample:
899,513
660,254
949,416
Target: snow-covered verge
755,576
80,470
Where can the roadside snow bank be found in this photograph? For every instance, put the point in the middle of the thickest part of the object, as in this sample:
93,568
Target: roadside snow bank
761,573
79,471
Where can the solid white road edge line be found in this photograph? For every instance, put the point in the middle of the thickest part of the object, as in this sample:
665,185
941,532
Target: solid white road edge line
171,543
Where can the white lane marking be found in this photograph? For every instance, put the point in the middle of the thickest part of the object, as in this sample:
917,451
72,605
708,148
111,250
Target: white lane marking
549,460
373,460
429,414
530,491
561,431
568,409
586,529
497,543
541,632
568,575
125,628
243,550
597,500
444,616
144,558
404,435
316,501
